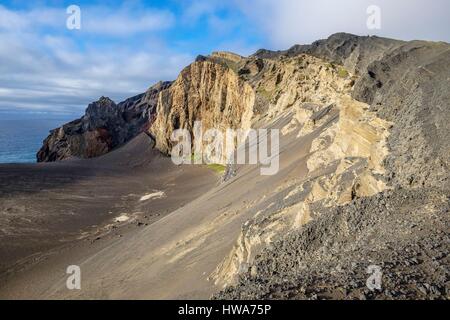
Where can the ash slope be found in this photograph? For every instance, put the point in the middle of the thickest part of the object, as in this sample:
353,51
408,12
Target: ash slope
46,207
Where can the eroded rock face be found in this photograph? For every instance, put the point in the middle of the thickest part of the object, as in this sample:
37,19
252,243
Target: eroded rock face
346,153
409,86
405,83
105,126
204,91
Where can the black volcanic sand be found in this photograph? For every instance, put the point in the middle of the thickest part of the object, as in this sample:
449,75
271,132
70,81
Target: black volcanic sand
172,257
49,205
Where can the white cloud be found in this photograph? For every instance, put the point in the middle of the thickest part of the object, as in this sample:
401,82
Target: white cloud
194,10
49,70
287,22
53,76
11,20
100,20
125,22
121,52
22,20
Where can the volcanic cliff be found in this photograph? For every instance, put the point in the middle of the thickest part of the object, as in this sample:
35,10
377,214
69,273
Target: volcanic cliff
364,168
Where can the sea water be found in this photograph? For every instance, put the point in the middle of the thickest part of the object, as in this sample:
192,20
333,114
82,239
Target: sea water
21,139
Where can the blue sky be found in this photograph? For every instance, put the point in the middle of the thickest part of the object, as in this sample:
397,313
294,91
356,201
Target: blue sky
123,47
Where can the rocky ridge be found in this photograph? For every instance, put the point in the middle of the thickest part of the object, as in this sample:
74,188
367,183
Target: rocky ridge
104,127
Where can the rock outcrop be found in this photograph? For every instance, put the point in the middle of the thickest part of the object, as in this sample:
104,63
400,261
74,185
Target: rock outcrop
204,91
105,126
354,52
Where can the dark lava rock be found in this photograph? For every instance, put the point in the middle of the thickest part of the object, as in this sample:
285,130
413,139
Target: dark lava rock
105,126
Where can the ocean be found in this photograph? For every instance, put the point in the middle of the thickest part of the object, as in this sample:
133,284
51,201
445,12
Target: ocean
20,139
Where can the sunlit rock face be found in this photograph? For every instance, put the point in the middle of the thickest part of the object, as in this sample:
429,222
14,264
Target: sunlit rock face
204,91
309,99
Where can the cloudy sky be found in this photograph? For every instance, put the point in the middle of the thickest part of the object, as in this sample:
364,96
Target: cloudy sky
123,47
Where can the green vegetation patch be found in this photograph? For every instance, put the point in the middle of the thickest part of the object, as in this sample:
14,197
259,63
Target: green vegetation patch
196,157
342,73
264,93
218,168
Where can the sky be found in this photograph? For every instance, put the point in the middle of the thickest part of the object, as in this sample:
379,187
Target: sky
123,47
